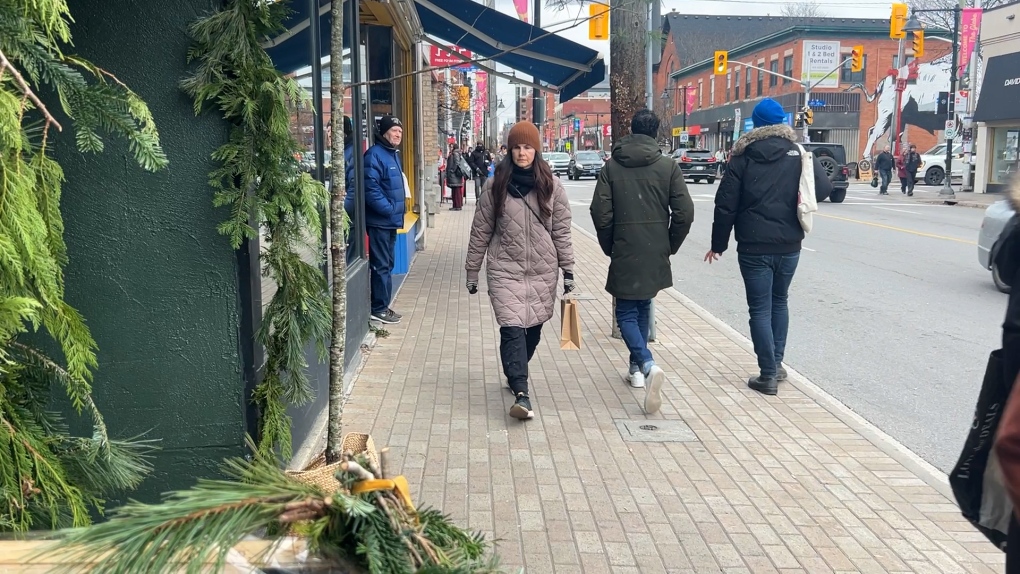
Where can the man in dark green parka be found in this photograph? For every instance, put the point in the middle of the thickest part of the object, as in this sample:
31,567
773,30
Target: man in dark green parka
642,214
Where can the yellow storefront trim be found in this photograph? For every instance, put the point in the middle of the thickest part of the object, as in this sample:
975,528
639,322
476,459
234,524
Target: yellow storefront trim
409,220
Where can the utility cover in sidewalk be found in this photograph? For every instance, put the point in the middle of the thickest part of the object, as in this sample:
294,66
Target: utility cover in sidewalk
656,431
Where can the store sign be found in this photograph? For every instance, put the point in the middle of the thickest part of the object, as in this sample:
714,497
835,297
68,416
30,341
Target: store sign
607,130
1000,89
440,58
748,125
677,131
820,58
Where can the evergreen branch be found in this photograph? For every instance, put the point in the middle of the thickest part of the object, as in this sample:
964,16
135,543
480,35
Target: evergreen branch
5,64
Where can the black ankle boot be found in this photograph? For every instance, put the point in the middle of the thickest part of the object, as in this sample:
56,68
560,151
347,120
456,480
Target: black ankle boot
522,407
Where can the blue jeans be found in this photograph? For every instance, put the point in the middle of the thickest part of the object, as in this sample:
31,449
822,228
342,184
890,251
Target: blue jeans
381,246
632,317
885,175
767,281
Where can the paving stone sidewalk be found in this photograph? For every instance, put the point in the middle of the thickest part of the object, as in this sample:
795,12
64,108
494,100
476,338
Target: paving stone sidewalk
769,484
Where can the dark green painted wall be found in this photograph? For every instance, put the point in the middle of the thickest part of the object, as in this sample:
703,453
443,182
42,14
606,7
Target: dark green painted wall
156,283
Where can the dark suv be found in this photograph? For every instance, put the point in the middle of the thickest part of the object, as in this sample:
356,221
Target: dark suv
697,164
832,156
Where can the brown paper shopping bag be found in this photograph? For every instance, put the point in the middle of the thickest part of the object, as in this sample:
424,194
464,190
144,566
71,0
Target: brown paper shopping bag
570,325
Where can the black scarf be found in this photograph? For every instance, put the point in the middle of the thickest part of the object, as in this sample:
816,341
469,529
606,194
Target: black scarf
522,180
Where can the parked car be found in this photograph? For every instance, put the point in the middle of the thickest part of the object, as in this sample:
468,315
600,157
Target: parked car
994,228
558,161
832,156
697,164
585,164
933,164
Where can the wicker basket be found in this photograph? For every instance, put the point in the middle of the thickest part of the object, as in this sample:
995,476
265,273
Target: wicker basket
323,475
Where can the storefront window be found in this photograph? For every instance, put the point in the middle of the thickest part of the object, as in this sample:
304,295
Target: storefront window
1005,163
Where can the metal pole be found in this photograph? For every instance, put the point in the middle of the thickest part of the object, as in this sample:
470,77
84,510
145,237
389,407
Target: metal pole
650,104
536,104
894,138
968,176
807,98
947,187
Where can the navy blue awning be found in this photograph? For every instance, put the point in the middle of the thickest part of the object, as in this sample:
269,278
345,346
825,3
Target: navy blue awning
570,67
291,49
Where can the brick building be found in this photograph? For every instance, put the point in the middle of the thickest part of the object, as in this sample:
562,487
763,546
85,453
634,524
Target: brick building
847,106
592,110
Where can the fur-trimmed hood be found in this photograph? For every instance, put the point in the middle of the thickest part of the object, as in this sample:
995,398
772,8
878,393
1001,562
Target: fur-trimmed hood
758,134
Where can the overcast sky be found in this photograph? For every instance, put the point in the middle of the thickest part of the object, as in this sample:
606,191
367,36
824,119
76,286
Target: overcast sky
833,8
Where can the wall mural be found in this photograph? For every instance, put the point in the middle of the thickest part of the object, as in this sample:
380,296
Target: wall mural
918,104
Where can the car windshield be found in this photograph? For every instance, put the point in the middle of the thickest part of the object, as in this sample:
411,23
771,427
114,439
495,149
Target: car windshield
588,157
555,157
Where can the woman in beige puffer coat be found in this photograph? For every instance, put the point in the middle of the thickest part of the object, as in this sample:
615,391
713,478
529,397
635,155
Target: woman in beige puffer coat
522,229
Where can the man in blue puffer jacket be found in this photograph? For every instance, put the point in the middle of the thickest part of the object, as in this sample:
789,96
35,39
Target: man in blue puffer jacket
384,213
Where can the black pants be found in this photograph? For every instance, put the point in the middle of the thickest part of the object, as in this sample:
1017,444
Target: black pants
516,347
381,246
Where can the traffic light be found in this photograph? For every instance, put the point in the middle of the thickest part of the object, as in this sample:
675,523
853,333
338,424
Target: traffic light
857,59
809,116
897,21
598,22
918,44
721,62
463,98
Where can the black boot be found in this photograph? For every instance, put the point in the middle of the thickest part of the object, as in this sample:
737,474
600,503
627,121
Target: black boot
764,386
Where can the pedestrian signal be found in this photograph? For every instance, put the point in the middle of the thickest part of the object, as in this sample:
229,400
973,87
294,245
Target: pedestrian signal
598,21
897,21
721,62
918,43
857,59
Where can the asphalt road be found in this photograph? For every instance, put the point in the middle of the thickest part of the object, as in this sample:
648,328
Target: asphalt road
890,311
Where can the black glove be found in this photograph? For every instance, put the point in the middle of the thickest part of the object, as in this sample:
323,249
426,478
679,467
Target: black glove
472,287
568,282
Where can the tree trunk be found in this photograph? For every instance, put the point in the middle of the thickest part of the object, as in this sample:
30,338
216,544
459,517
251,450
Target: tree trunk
337,235
627,47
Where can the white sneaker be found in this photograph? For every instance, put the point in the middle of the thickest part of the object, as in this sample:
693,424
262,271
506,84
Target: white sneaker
653,393
636,380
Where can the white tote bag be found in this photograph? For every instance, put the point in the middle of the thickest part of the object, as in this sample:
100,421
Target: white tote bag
807,203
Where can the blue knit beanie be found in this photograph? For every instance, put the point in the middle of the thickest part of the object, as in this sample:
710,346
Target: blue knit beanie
768,112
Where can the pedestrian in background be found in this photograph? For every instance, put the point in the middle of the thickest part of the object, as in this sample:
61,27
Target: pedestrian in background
456,177
884,167
907,165
521,230
720,161
642,213
759,197
500,154
479,162
384,213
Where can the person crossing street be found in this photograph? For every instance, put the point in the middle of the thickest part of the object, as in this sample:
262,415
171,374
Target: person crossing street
642,213
884,166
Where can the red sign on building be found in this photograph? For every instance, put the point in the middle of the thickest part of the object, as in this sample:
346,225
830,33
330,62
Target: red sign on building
440,58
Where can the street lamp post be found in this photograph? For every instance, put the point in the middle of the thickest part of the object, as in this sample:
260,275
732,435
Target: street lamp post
667,98
913,25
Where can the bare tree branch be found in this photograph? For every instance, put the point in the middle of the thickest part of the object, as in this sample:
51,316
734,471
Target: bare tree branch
802,10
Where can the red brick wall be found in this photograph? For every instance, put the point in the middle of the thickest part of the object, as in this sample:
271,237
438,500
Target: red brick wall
880,54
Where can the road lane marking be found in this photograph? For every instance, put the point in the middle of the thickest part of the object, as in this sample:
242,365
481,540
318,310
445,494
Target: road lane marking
894,209
892,228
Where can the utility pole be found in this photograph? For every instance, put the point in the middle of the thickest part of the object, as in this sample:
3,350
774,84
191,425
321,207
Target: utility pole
968,176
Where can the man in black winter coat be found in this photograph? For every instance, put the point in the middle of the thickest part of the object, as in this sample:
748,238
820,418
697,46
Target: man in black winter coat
759,197
884,166
479,161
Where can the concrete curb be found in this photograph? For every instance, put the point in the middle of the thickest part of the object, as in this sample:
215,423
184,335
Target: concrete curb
887,444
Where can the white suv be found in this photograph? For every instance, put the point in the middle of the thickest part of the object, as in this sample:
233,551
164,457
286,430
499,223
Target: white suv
933,164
